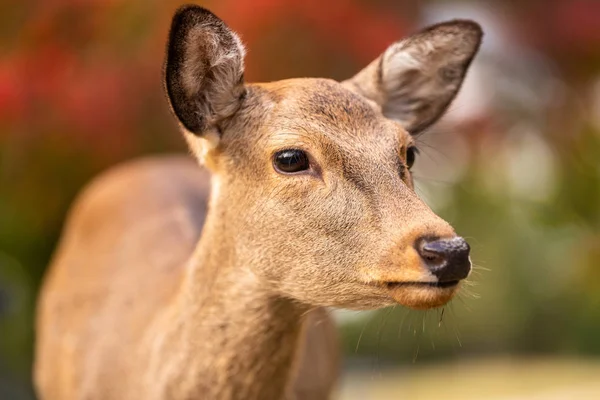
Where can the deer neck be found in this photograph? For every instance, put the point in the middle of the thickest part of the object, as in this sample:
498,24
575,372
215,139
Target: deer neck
231,335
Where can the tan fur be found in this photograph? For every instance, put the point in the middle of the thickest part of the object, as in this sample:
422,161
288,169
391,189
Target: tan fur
150,296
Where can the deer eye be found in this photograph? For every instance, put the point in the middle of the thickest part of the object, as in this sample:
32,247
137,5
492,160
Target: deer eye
411,156
290,161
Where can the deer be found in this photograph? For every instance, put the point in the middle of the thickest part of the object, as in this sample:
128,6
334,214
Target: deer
211,277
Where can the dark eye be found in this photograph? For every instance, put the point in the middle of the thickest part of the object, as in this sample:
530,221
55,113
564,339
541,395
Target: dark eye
290,161
411,155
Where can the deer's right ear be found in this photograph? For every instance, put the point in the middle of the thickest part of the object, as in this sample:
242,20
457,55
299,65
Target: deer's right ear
203,73
415,79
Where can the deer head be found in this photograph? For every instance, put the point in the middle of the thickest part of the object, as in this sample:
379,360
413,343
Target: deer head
312,188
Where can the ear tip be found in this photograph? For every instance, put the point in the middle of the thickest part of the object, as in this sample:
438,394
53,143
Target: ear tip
191,14
192,9
469,25
459,27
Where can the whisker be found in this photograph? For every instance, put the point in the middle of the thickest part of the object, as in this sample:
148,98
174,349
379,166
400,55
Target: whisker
361,333
402,324
416,354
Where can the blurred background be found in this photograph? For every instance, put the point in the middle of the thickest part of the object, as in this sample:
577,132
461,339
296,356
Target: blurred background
514,166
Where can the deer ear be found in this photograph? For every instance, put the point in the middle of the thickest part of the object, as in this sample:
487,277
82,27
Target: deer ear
415,79
203,73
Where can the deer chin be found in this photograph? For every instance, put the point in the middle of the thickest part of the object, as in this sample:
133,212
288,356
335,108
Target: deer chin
422,295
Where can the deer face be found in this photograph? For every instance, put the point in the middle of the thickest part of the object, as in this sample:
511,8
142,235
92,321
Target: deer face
312,181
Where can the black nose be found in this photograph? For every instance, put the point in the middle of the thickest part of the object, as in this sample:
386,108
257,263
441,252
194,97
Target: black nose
448,259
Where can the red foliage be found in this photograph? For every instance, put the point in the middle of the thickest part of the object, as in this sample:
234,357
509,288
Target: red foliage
361,31
72,70
12,94
566,30
577,24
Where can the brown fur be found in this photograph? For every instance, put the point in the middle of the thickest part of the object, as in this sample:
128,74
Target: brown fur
137,305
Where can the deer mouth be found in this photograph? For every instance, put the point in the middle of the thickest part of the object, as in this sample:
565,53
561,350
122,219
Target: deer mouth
440,285
422,295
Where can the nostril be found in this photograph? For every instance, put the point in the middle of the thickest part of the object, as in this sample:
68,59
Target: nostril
448,259
431,253
431,257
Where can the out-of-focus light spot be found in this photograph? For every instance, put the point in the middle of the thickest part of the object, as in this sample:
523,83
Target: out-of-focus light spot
472,102
529,165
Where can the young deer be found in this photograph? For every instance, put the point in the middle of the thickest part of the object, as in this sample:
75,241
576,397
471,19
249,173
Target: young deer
311,205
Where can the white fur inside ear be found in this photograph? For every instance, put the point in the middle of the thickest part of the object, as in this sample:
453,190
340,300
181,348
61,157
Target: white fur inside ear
397,59
396,62
226,64
201,146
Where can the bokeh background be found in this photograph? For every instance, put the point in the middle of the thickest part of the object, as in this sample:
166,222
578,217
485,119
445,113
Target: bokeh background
514,166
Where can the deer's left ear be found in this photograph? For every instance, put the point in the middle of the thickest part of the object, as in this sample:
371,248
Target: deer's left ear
204,69
415,79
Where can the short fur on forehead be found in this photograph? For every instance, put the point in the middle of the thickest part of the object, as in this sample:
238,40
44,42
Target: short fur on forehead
415,79
204,69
